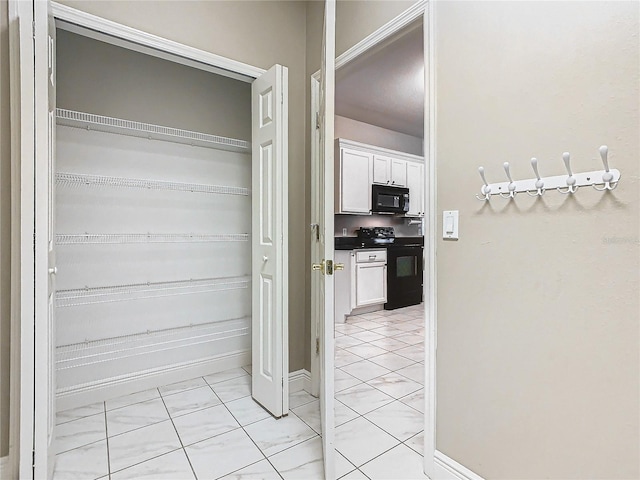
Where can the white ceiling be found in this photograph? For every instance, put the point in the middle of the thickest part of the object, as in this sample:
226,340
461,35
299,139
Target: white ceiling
385,87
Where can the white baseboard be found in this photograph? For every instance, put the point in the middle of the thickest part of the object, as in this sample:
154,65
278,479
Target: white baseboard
447,468
300,380
118,386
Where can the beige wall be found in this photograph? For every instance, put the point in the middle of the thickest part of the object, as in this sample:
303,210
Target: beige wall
373,135
260,33
538,308
5,237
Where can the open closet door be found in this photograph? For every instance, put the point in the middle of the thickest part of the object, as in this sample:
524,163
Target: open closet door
322,283
269,226
33,148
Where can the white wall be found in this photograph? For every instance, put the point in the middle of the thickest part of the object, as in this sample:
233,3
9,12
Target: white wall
378,136
538,306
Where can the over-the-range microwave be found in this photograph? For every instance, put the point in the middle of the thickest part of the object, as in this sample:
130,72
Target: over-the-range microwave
386,199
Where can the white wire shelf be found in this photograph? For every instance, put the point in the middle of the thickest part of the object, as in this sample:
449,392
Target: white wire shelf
89,121
140,291
63,178
124,238
144,343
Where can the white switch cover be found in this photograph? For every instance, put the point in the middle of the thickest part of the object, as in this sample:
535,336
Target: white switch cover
450,224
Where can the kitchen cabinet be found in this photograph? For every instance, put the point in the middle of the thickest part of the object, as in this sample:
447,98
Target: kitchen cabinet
353,186
369,284
359,165
389,171
414,182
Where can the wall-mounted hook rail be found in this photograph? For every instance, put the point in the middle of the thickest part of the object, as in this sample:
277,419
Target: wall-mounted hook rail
569,183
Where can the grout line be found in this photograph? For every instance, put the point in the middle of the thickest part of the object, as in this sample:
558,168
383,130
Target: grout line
178,435
106,432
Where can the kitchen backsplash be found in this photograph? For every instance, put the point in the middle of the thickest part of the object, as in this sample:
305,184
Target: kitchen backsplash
353,222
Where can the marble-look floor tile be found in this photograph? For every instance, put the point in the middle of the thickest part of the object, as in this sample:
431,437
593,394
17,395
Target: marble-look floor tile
248,369
363,323
367,316
85,463
348,329
395,385
389,344
204,424
365,370
346,341
260,470
190,401
135,416
398,419
297,399
408,327
399,463
367,336
355,475
415,372
274,435
309,413
171,466
343,466
301,462
343,380
392,361
411,339
366,350
133,398
246,410
80,412
80,432
182,386
343,358
231,451
233,389
142,444
415,400
412,352
363,398
343,414
226,375
387,330
416,443
360,441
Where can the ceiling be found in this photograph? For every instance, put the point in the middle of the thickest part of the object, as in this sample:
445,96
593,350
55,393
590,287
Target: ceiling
385,87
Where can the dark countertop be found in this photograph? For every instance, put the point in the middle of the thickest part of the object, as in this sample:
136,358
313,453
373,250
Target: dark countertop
352,243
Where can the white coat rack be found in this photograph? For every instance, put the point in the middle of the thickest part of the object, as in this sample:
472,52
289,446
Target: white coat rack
601,180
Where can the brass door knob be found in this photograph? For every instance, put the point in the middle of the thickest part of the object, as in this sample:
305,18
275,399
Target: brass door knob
338,266
318,266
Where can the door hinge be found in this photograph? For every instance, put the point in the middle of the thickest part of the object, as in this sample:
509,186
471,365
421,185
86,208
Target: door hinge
33,459
317,120
33,29
317,346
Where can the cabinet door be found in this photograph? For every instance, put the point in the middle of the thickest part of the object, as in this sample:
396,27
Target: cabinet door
381,169
398,173
355,181
371,284
414,182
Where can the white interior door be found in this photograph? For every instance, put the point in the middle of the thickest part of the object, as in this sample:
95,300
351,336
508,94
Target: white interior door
322,210
269,334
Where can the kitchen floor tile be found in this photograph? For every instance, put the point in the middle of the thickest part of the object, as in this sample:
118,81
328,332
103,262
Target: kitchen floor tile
232,451
363,398
260,470
343,380
274,435
416,442
412,352
395,385
367,336
343,414
80,432
80,412
233,389
365,370
182,386
346,341
355,475
389,344
391,361
190,401
360,441
415,400
301,462
135,416
133,398
399,463
85,463
204,424
415,372
343,358
246,410
310,414
398,419
366,350
170,466
142,444
226,375
300,398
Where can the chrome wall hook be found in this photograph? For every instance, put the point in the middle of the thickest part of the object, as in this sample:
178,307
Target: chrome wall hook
486,189
571,180
539,191
511,186
607,176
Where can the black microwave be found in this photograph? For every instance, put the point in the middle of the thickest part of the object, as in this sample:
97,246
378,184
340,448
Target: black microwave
386,199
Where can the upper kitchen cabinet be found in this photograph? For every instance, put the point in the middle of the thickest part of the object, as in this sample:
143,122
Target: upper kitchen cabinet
359,165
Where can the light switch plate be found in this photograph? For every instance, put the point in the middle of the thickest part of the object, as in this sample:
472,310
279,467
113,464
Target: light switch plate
450,224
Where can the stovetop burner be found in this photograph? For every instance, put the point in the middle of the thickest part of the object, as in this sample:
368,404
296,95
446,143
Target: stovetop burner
376,235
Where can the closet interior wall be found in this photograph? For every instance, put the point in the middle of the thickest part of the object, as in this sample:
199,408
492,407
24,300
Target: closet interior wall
153,236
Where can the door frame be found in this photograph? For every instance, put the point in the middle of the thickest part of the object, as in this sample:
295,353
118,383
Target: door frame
421,9
25,293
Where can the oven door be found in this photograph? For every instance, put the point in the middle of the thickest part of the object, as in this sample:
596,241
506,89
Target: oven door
404,276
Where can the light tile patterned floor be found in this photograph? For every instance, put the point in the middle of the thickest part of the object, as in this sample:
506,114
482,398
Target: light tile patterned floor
209,428
380,395
206,428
